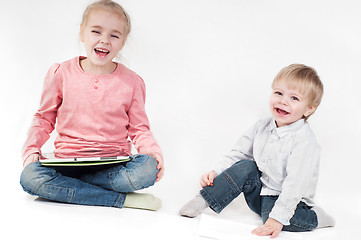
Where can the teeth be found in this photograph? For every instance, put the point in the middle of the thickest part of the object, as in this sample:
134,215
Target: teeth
101,50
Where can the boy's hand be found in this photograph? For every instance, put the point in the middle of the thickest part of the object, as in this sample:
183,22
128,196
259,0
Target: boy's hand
207,178
160,166
32,158
271,227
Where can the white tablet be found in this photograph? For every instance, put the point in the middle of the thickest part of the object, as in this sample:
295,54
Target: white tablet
49,160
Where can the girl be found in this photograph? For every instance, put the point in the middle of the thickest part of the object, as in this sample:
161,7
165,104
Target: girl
97,104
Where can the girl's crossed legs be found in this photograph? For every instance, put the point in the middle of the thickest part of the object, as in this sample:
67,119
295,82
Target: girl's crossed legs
99,186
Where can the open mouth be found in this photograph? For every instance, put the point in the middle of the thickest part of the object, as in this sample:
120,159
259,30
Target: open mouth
281,112
101,52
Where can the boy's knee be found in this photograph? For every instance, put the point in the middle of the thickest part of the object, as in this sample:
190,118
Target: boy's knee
244,166
247,164
243,173
33,177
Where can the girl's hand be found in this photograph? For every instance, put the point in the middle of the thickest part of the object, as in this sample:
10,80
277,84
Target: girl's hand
32,158
207,178
160,166
271,227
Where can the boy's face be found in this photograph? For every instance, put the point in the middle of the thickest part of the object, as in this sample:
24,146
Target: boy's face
288,105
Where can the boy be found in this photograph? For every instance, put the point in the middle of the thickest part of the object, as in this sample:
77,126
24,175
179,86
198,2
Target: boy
275,164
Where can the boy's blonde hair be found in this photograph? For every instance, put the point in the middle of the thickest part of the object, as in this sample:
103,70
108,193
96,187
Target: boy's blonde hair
107,5
304,79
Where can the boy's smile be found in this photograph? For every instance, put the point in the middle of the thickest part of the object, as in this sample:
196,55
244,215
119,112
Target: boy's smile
288,105
282,112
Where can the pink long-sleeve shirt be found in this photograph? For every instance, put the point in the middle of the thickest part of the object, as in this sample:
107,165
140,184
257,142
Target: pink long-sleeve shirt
93,114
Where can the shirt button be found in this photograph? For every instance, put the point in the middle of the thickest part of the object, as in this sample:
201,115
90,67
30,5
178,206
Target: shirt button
96,80
95,87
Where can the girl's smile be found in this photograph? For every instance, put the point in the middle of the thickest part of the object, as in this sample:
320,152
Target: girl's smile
101,52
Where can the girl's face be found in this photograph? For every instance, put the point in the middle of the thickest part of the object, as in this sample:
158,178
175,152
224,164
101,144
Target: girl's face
288,105
103,37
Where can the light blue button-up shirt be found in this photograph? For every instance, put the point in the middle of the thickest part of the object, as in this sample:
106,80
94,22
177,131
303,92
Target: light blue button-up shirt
288,158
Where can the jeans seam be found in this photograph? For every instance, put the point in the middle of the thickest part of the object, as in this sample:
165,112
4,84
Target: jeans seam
120,201
233,184
214,204
110,176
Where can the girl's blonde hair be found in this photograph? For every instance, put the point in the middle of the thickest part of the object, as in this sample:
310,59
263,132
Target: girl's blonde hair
304,79
107,5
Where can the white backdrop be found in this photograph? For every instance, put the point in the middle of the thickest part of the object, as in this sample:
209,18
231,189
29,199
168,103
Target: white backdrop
208,66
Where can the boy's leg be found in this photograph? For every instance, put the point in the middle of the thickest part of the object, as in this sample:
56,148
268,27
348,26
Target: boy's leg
304,218
50,184
243,176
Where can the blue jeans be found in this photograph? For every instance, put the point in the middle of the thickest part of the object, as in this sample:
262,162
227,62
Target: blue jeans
244,176
104,185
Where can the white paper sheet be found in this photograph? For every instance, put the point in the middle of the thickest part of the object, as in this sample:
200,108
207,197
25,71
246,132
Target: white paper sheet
220,229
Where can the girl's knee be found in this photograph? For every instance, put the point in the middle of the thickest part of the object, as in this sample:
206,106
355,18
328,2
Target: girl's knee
146,165
33,177
141,172
146,172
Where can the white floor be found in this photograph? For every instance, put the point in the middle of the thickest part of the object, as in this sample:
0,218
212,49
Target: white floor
27,217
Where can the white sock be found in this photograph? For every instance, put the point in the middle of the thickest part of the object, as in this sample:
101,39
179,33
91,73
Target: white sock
193,207
142,201
324,220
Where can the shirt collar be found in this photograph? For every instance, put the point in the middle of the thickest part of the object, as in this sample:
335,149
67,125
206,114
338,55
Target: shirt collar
283,131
